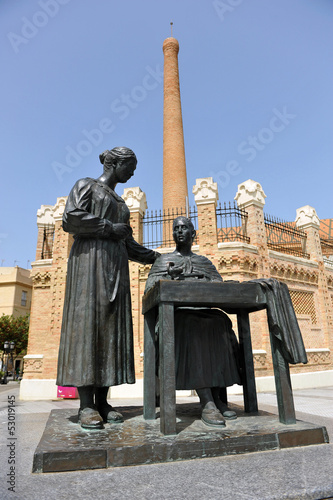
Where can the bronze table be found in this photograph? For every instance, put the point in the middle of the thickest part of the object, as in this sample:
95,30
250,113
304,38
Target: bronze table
231,297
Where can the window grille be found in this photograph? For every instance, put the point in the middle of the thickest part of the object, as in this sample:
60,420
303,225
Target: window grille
304,303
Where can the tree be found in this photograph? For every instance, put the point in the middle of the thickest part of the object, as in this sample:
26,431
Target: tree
15,329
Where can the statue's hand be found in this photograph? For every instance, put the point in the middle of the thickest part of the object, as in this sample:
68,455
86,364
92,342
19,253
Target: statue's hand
173,270
121,231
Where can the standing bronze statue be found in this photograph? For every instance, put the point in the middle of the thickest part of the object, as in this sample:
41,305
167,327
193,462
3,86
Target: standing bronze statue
96,345
206,348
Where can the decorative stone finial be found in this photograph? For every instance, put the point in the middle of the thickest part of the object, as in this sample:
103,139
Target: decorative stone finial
250,193
135,199
59,207
45,216
307,217
205,191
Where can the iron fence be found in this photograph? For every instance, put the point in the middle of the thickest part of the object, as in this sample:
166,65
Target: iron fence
326,236
157,226
285,237
326,247
231,223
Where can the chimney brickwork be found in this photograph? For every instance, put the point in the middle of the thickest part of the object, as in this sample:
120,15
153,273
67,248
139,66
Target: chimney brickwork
174,167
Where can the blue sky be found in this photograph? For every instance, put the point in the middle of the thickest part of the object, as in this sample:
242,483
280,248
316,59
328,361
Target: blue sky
81,76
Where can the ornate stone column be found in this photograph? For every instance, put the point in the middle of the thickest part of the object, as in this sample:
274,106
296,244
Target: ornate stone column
49,281
41,275
251,197
206,195
45,221
62,241
308,220
61,247
136,201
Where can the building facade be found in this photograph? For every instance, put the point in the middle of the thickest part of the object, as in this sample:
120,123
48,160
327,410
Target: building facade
15,291
243,243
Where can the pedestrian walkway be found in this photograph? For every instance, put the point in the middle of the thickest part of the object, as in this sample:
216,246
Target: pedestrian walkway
294,473
317,402
313,401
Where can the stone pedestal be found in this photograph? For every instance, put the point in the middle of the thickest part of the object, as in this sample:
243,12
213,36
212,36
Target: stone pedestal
65,446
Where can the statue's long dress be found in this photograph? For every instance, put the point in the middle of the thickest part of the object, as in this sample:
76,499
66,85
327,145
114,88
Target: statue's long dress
96,345
206,347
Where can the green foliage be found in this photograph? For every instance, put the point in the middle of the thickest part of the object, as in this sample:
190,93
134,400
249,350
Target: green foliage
15,329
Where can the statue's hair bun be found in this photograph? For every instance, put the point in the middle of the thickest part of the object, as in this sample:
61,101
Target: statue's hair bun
103,155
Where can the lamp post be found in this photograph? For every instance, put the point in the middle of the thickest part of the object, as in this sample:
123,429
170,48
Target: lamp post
8,348
12,347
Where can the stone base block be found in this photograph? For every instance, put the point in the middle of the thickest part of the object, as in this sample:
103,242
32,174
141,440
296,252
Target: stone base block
64,446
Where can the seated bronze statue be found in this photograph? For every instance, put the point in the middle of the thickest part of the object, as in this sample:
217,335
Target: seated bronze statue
206,348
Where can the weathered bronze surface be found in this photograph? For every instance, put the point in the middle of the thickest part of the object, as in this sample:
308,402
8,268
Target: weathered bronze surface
96,345
206,350
66,446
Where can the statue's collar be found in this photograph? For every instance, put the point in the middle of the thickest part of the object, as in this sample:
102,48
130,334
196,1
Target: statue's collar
109,190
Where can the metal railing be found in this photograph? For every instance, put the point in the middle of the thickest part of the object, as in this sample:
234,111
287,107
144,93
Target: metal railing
231,223
285,237
157,226
326,247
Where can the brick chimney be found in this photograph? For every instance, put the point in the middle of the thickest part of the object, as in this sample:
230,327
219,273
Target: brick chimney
174,167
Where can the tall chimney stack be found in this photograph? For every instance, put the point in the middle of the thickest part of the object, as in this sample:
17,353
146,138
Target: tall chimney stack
175,191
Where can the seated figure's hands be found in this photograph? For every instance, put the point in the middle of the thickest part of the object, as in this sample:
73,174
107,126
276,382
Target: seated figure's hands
174,271
121,231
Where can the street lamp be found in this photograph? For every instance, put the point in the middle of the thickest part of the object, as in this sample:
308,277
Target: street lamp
8,348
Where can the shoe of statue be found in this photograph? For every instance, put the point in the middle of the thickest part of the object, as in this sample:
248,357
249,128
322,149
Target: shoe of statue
212,416
226,412
110,415
89,418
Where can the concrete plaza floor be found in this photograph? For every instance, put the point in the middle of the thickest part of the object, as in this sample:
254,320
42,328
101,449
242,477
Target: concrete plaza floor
293,473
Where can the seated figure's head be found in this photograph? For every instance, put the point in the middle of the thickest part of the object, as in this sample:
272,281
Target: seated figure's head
183,231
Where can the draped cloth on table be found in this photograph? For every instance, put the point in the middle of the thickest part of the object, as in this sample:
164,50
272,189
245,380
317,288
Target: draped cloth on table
96,345
282,320
206,348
